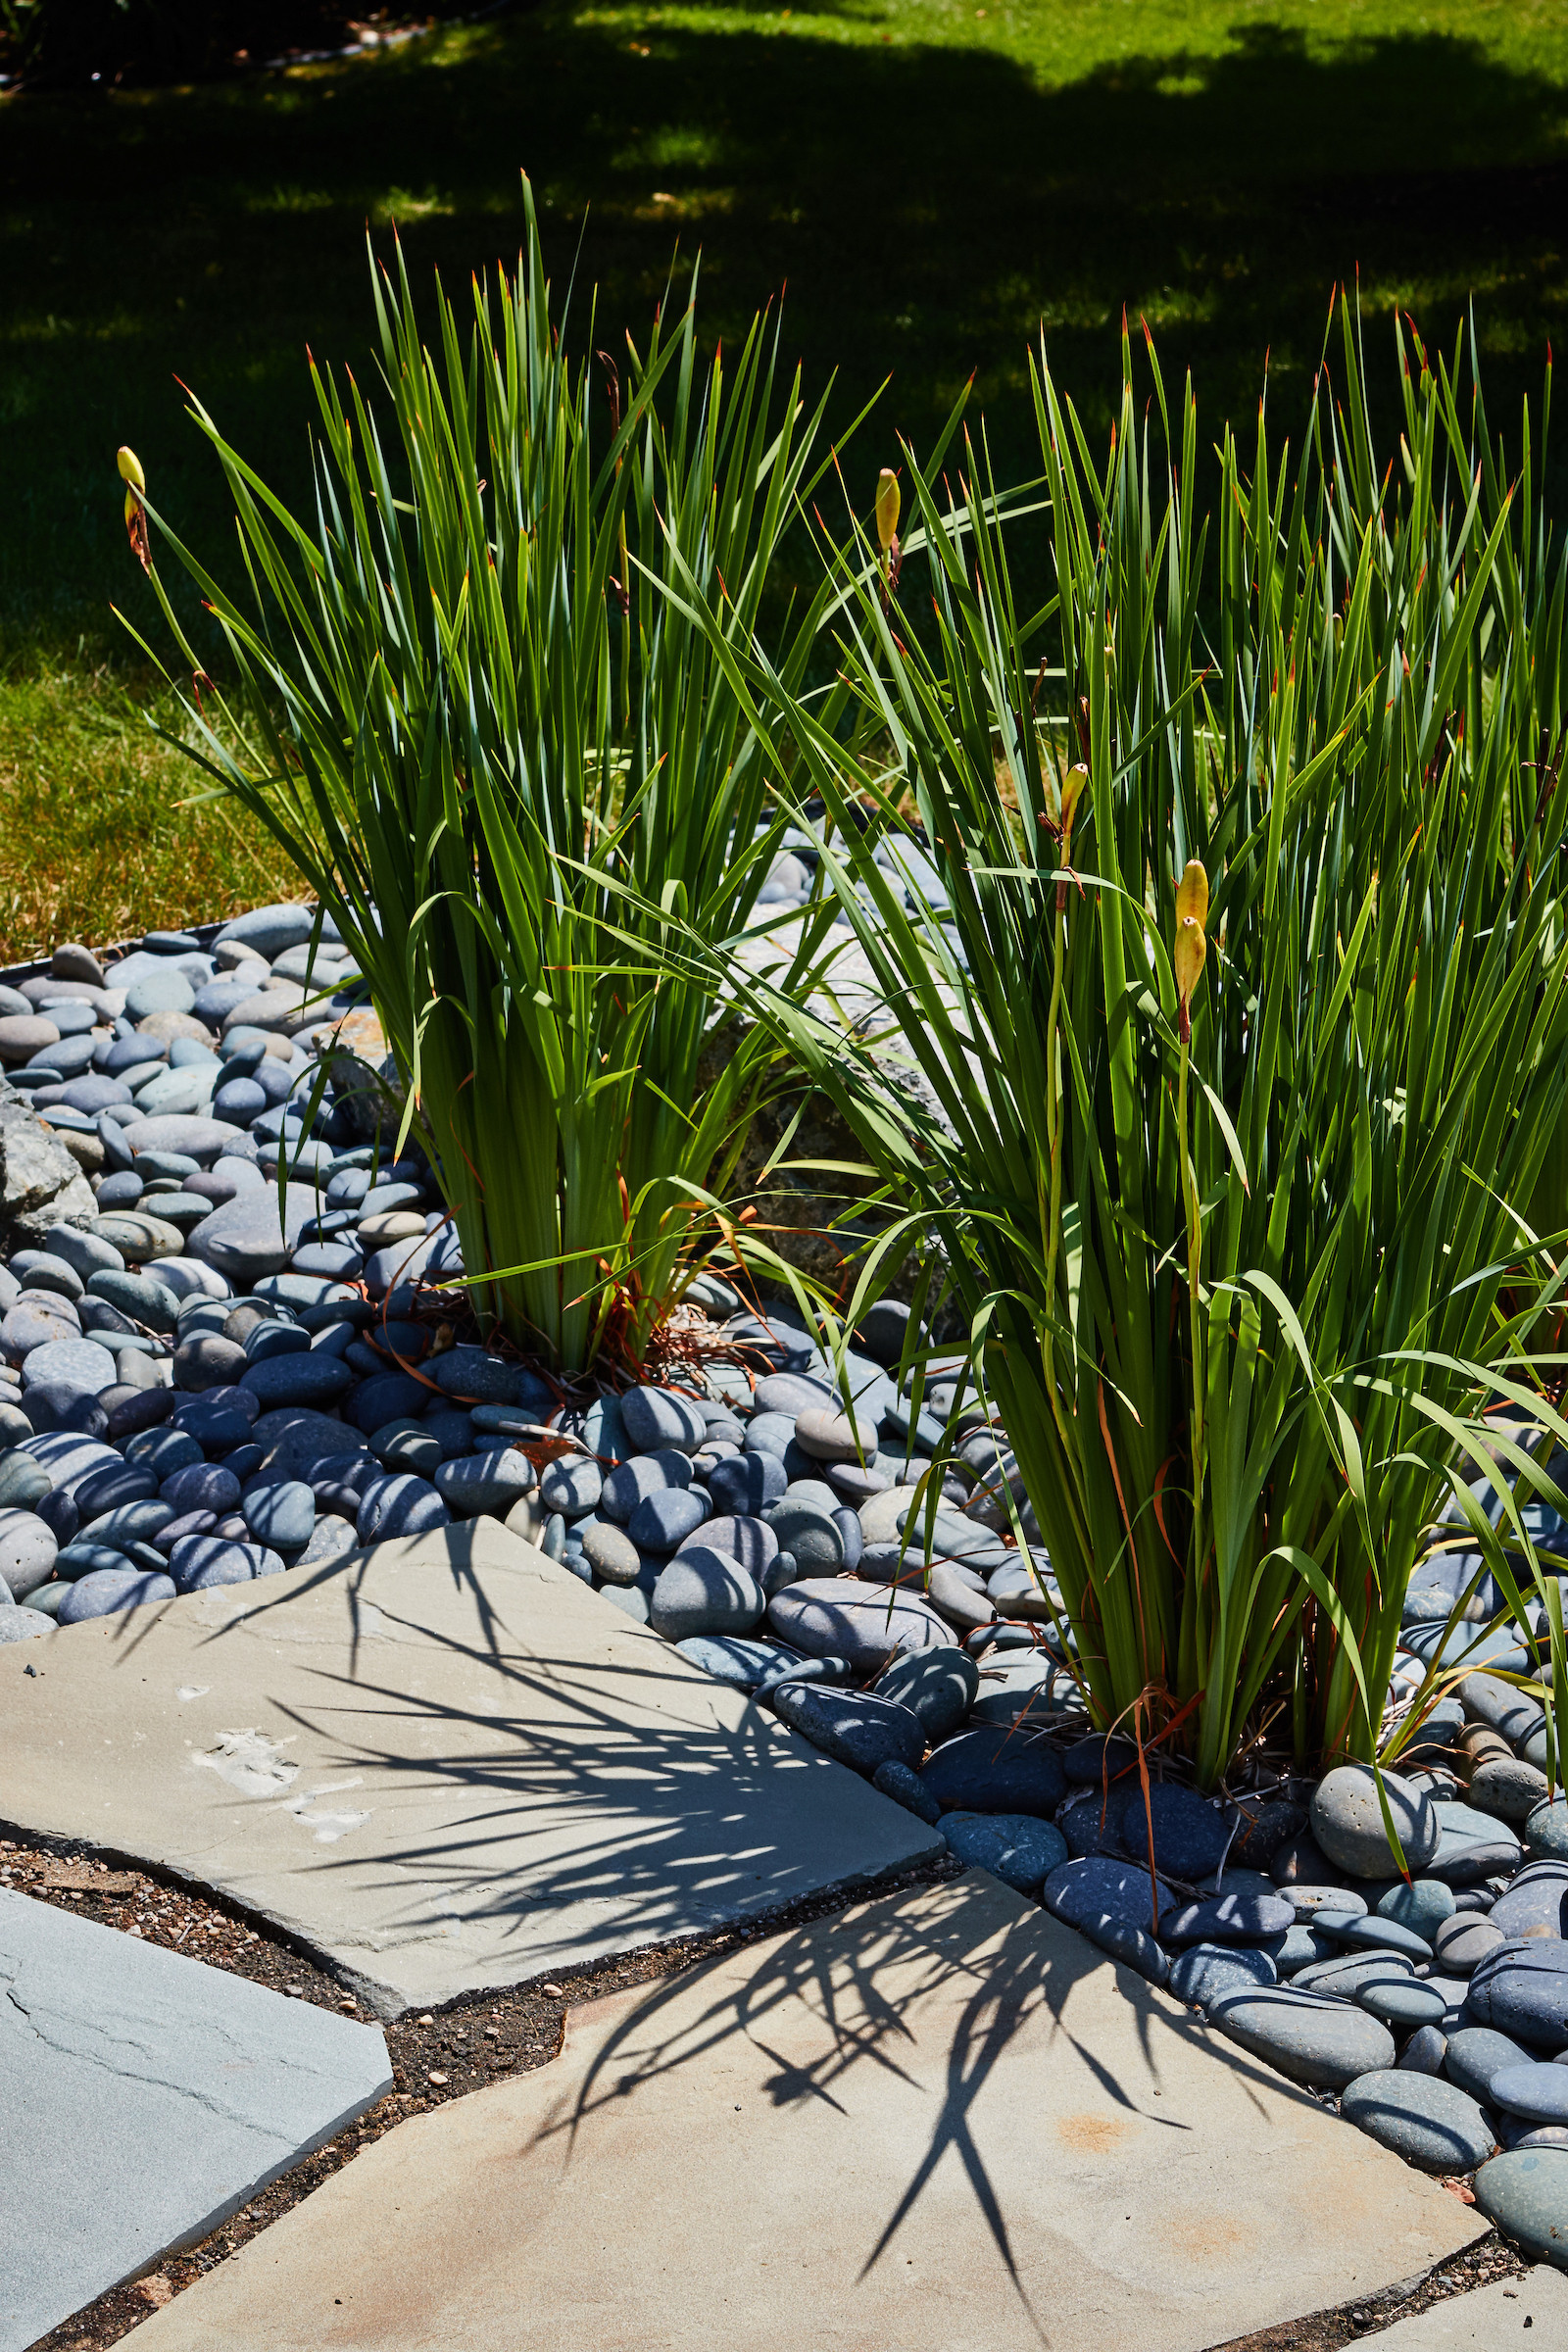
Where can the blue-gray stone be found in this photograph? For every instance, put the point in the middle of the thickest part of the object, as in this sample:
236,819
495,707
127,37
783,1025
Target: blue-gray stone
896,1781
1476,2056
1108,1902
1098,1887
282,1516
103,1591
311,1380
1422,1906
1537,2092
270,930
1424,2052
852,1729
238,1101
199,1562
1344,1976
808,1530
493,1481
1536,1904
571,1485
271,1338
1348,1821
108,1486
127,1051
1305,2036
653,1417
662,1521
993,1770
702,1592
1366,1932
1016,1847
1547,1829
201,1487
472,1376
1229,1919
731,1659
643,1473
1404,2003
141,1296
769,1432
821,1616
1429,2122
939,1686
743,1485
398,1506
387,1397
1521,1990
1190,1837
243,1237
78,1364
610,1552
1205,1971
1525,2192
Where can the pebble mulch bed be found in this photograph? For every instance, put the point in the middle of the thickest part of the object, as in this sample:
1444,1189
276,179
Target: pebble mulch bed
193,1393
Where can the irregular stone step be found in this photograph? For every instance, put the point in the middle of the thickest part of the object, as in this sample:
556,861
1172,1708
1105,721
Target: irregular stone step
921,2123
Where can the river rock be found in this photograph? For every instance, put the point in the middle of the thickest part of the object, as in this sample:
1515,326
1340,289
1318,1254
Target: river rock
704,1591
1521,1990
1305,2035
1526,2193
1430,2123
821,1616
939,1686
1348,1821
1016,1847
850,1727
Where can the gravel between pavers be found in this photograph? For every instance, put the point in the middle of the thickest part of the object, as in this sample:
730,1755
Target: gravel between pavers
480,2041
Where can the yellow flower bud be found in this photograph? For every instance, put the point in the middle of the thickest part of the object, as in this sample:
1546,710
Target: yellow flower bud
1072,786
130,469
1191,944
887,507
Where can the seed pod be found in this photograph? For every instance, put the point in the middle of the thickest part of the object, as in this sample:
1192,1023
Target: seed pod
1071,787
888,504
130,469
1191,944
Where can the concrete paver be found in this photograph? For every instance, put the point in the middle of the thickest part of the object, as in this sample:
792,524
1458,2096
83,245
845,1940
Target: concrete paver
145,2096
940,2122
1491,2319
446,1764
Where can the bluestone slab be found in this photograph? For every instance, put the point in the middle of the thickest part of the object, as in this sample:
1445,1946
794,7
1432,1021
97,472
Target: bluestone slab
145,2096
1488,2320
444,1763
939,2119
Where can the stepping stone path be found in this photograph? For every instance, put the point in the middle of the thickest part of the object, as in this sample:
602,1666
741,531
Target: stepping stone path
447,1765
938,2119
143,2097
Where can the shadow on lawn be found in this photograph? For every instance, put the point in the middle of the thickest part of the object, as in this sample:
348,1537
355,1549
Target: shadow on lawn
927,205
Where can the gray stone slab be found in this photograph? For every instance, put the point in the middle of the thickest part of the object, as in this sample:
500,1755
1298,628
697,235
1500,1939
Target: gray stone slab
143,2096
1491,2319
445,1763
940,2122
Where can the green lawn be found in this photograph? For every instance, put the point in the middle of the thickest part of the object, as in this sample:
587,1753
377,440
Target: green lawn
932,180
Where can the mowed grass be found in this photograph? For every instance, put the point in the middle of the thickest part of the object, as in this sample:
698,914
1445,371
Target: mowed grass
934,183
99,834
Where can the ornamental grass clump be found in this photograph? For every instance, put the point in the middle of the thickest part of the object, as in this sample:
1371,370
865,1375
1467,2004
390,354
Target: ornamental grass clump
1239,1018
462,705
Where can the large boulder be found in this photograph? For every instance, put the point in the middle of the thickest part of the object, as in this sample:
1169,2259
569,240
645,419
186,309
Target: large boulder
41,1186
